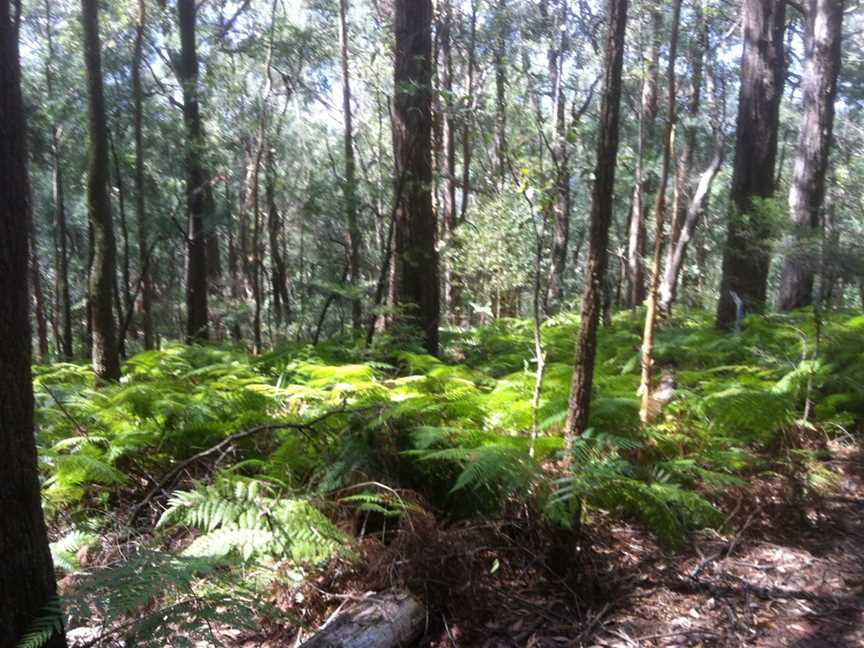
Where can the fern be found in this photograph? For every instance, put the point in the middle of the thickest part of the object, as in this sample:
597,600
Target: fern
45,626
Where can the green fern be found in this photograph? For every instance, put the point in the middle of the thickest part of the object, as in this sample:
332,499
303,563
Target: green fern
45,626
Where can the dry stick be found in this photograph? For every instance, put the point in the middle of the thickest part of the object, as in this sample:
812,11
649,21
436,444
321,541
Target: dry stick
81,430
174,472
645,389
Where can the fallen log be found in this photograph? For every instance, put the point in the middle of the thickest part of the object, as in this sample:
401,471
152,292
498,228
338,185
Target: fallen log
378,620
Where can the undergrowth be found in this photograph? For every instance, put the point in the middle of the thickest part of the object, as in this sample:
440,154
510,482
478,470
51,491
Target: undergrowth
337,434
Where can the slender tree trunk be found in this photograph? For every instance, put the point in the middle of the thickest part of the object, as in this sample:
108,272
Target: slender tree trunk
63,299
350,188
196,271
278,273
467,140
807,192
126,293
746,256
106,361
26,575
500,55
601,218
146,308
38,296
646,388
417,291
636,236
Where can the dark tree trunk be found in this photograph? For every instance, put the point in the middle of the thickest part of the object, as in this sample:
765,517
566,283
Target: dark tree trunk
350,188
601,218
38,296
26,575
126,305
416,257
807,192
467,140
278,272
140,213
746,257
196,203
106,361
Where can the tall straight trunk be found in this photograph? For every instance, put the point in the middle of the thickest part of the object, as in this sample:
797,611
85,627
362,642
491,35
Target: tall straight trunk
696,54
26,574
807,191
467,140
278,272
146,308
636,235
63,299
38,295
500,53
196,271
416,257
350,188
106,360
579,404
561,164
646,388
746,256
126,292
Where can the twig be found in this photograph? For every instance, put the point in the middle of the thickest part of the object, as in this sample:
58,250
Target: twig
81,430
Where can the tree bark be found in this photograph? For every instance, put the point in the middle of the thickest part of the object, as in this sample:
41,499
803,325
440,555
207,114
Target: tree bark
278,272
646,389
807,192
350,185
636,235
106,360
601,218
146,308
196,271
746,255
416,257
38,296
386,620
26,575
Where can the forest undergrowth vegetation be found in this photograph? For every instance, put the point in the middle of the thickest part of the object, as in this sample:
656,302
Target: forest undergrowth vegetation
209,476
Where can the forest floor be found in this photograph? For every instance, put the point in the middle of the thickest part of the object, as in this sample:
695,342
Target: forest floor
785,576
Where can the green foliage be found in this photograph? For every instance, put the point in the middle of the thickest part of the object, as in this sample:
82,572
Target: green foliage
49,622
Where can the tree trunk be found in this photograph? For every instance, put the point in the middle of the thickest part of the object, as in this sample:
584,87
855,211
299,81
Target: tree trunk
63,299
561,163
278,273
601,218
500,54
196,270
26,575
746,256
350,188
126,305
467,140
416,256
140,213
807,192
38,296
387,620
646,389
636,236
106,361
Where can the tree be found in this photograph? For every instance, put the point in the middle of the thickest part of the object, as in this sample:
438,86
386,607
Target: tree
824,20
140,213
350,188
105,353
416,257
746,253
196,180
27,575
579,404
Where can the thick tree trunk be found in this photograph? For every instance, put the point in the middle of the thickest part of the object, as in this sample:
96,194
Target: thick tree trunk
350,188
146,307
387,620
416,257
26,574
807,192
106,361
601,218
646,388
746,257
196,271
